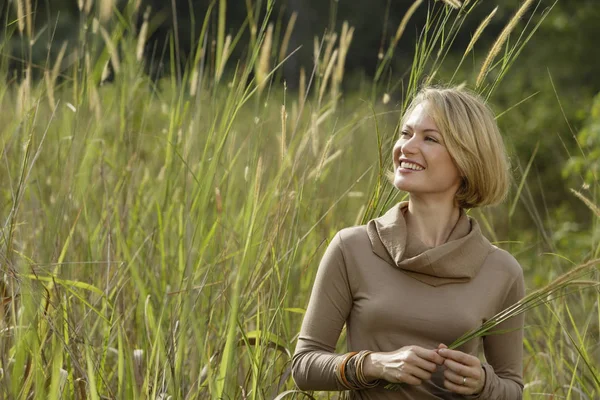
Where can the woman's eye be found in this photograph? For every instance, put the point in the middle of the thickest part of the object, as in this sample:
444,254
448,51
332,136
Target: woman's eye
404,133
431,139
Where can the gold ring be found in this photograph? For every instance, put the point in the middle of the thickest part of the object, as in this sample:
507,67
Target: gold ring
464,380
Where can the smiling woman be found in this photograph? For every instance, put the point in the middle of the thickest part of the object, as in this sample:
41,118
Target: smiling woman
464,125
417,278
422,162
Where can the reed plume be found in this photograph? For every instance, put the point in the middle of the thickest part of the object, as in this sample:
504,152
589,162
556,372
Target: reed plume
479,31
500,41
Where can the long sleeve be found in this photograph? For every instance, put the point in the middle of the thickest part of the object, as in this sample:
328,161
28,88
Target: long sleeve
504,352
314,361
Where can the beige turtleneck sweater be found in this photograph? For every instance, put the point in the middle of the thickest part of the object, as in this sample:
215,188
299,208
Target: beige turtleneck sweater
391,291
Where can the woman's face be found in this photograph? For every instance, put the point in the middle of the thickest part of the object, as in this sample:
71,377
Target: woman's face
422,165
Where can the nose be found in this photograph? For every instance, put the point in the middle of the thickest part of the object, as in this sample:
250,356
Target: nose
409,145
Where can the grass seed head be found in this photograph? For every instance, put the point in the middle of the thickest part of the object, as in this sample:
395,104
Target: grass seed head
142,37
286,37
510,26
106,8
479,31
263,62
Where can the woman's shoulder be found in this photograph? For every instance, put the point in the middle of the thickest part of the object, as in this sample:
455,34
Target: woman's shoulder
353,235
501,260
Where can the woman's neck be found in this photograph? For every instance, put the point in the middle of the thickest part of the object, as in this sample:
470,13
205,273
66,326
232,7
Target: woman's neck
431,221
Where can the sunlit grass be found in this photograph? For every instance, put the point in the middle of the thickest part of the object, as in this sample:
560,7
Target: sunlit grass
160,238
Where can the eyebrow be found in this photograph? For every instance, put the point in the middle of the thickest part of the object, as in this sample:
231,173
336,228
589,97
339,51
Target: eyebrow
424,130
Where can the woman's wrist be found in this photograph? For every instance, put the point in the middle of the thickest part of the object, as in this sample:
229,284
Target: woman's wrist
371,367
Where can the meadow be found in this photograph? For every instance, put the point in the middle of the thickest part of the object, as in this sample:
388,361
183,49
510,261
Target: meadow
160,236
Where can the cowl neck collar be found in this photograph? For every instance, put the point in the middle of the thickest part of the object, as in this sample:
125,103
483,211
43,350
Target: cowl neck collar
456,261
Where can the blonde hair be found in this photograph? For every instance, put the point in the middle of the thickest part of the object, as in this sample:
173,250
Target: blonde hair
473,140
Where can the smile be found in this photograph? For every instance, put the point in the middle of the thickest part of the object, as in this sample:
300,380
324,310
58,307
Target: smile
411,166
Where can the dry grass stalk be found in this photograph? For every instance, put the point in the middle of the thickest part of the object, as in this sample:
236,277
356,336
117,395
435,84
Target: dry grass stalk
142,37
194,82
409,13
88,6
49,89
501,40
286,37
453,3
316,53
263,62
138,367
314,133
224,57
259,172
587,202
316,173
93,97
283,134
62,381
345,40
28,19
218,200
20,16
58,62
112,50
80,5
300,149
479,31
105,72
324,162
331,40
106,7
302,88
359,215
327,75
24,93
50,76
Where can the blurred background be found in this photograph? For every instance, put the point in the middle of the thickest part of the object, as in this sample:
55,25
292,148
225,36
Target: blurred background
557,72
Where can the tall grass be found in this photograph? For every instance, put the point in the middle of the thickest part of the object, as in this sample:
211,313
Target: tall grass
160,238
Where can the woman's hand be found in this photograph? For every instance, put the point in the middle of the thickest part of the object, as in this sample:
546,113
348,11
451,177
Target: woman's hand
410,364
464,373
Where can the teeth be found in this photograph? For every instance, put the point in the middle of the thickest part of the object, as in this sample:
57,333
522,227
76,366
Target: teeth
412,166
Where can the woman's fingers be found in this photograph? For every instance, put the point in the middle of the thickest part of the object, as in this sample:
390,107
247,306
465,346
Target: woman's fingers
456,378
463,374
460,369
458,388
411,364
429,355
459,356
420,373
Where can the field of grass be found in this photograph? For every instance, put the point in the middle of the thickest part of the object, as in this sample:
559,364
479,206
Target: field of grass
160,238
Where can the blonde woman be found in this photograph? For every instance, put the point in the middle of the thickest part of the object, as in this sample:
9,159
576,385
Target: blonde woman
412,281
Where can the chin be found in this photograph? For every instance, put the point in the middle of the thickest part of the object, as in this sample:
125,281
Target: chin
400,185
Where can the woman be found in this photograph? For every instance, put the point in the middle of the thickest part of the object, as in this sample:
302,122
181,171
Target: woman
412,281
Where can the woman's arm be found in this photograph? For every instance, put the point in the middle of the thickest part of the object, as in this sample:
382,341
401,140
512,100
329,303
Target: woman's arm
314,361
504,352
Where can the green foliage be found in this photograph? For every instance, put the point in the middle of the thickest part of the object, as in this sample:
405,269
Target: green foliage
160,237
586,163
